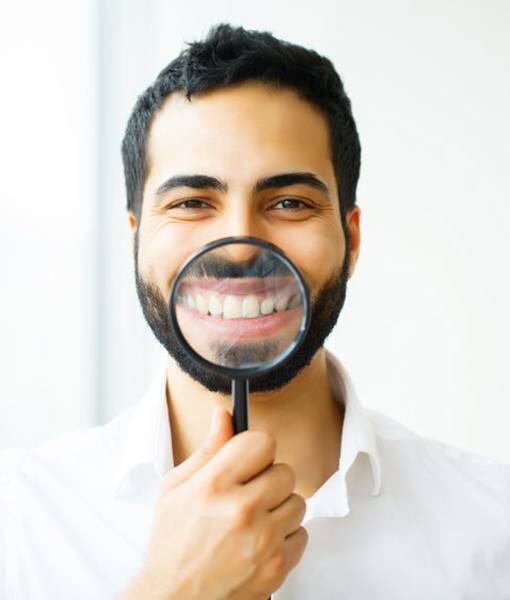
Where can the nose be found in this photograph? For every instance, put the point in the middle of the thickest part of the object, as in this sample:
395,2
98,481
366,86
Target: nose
242,220
241,252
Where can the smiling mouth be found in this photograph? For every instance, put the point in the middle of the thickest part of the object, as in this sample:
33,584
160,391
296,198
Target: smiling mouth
239,299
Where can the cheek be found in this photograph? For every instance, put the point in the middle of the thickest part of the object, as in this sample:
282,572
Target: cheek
317,252
161,253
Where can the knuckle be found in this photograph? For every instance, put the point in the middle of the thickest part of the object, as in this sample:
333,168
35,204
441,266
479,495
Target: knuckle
300,503
289,473
305,535
301,540
244,514
276,565
211,485
266,441
265,541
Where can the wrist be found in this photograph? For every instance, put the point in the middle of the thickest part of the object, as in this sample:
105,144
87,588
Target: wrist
146,588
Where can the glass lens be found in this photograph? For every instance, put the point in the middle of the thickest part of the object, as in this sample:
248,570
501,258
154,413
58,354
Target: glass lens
239,306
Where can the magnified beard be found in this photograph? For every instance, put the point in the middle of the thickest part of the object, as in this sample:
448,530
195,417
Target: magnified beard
242,355
325,310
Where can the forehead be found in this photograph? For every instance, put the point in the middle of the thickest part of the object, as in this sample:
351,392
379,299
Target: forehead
239,131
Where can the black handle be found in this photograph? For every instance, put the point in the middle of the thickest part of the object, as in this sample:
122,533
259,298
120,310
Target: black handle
240,395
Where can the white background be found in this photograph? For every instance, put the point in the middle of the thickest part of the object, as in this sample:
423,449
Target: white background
425,331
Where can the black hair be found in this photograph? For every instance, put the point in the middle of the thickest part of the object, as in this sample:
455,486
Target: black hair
230,55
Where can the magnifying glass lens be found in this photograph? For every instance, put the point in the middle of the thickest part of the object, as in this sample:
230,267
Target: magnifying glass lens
239,306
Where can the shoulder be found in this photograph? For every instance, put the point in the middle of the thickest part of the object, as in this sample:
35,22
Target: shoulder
85,454
408,457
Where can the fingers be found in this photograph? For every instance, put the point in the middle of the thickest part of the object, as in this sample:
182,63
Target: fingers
243,457
287,517
220,431
273,486
285,558
294,546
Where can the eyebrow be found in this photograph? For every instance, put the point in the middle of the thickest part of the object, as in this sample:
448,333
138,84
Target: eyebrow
274,181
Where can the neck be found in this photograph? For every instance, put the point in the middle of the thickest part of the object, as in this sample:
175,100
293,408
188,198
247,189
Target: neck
303,416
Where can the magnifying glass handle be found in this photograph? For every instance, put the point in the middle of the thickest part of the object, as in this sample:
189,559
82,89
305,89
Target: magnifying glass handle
240,404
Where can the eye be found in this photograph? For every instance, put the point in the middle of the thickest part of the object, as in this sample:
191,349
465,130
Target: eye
291,204
191,203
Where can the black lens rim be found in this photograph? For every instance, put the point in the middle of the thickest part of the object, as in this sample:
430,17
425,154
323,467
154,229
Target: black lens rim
248,372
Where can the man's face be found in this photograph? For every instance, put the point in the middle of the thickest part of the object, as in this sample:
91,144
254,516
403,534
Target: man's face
240,136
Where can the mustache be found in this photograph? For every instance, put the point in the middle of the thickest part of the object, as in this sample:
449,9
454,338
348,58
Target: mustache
264,264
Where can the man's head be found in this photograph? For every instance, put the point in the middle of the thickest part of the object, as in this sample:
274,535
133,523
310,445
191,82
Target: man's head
244,134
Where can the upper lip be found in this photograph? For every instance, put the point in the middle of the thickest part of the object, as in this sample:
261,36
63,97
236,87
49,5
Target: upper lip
241,286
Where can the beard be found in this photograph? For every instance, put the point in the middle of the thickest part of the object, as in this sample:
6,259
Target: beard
325,310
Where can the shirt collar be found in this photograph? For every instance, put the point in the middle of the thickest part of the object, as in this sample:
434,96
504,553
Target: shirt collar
143,441
358,435
142,435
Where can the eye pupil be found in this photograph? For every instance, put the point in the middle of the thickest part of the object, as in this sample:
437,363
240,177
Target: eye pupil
290,203
193,203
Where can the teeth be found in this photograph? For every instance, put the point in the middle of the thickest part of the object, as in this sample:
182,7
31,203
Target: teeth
267,306
190,301
295,301
281,303
232,308
236,307
250,307
215,307
201,304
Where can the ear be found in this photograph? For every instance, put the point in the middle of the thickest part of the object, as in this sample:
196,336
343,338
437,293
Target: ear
132,225
352,219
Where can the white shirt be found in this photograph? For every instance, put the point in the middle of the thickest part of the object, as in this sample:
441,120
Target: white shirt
404,517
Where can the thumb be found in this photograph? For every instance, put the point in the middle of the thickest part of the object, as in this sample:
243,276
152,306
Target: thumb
221,430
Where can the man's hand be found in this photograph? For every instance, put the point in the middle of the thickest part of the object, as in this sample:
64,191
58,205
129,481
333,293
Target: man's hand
227,523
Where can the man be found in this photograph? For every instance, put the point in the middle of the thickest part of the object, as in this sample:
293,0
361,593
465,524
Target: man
244,134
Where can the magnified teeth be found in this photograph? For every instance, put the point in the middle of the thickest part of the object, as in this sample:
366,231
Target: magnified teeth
238,306
201,304
267,306
250,307
295,301
215,307
232,308
281,303
190,301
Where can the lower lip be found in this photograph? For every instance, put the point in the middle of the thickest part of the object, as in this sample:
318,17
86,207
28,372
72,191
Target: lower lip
241,328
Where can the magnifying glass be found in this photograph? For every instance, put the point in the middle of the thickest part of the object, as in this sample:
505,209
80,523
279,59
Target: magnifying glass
239,307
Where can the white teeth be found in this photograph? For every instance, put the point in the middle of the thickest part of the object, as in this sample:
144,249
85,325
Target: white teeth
190,302
267,306
295,301
236,307
215,307
281,303
201,304
250,307
232,307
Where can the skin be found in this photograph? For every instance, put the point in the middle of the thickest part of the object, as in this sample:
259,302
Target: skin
239,135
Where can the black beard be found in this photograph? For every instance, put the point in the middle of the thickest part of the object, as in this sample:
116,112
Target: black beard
325,310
